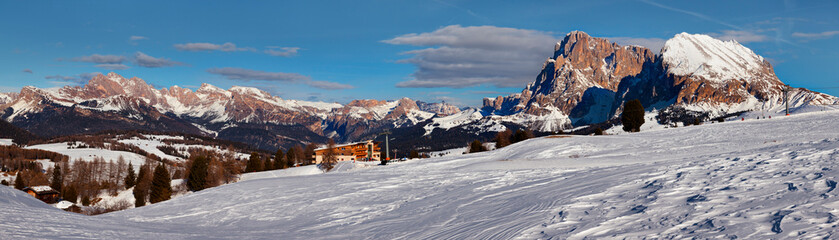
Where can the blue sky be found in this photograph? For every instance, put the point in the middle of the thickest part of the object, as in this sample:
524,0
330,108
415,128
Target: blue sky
454,51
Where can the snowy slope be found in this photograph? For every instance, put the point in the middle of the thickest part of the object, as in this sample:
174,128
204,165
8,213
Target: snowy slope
754,179
714,59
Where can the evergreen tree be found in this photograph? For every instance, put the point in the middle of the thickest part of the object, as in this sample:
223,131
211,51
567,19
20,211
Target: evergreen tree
632,116
268,165
308,153
521,135
414,154
291,156
19,185
130,178
198,171
476,146
141,188
330,157
57,179
279,160
70,194
161,185
254,164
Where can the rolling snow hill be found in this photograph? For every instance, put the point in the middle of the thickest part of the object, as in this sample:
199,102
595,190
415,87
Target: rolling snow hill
755,179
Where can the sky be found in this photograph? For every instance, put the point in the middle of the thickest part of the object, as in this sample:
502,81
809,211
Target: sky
336,51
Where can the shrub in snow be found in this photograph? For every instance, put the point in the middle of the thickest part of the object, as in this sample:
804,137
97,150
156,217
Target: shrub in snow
476,146
633,116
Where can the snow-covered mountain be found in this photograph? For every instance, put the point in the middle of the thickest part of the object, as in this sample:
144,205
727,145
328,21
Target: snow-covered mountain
588,79
240,113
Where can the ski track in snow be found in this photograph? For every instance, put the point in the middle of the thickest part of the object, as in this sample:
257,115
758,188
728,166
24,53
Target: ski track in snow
756,179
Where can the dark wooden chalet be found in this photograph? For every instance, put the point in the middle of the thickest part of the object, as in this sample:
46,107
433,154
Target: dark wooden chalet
43,193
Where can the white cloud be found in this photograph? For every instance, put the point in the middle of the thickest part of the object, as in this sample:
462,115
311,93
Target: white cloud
820,35
100,59
72,80
242,74
470,56
282,52
112,66
143,60
195,47
329,85
248,74
740,36
134,39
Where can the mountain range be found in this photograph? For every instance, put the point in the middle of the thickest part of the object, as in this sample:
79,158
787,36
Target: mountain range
585,81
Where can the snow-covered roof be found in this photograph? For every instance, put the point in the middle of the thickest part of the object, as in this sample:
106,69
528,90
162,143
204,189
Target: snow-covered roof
41,189
346,144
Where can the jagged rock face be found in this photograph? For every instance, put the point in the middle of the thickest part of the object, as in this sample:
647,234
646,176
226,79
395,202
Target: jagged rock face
580,63
588,80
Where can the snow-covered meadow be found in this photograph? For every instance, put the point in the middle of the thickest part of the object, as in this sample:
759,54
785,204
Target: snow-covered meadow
754,179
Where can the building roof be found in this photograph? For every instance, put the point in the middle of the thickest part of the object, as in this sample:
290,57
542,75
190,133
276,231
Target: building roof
41,189
346,144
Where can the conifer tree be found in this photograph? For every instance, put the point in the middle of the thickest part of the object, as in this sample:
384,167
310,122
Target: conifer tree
19,185
632,116
254,164
268,165
198,171
161,187
279,160
521,135
291,156
130,178
70,194
57,179
141,188
413,154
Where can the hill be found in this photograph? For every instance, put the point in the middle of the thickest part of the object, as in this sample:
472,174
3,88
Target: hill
753,179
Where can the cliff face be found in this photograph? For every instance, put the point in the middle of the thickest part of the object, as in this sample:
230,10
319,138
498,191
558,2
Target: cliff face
588,79
582,67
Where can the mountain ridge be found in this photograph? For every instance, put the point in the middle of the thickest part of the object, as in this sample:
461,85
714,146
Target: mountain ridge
585,81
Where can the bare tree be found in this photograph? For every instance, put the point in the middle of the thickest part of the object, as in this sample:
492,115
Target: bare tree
330,158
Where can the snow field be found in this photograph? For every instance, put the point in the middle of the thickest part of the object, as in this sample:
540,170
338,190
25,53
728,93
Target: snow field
756,179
